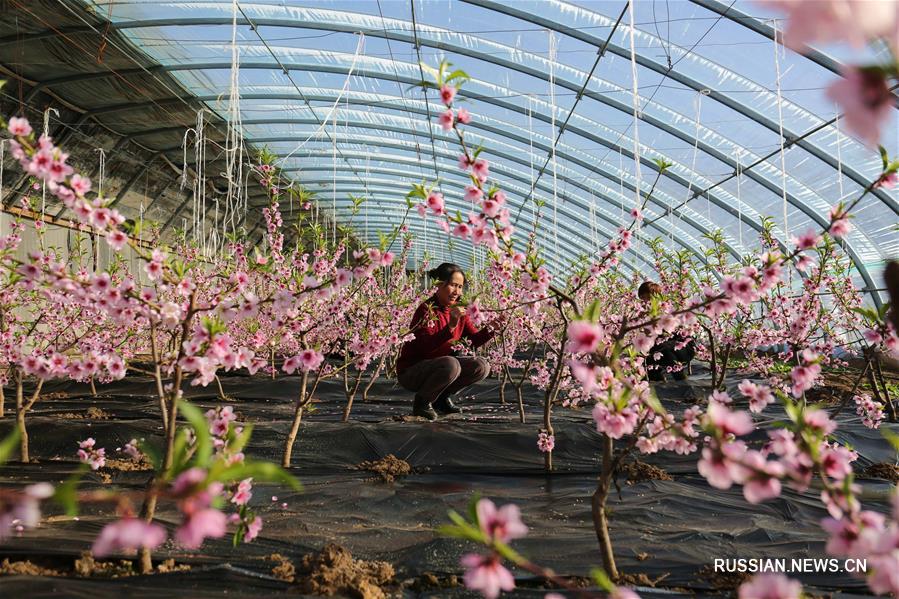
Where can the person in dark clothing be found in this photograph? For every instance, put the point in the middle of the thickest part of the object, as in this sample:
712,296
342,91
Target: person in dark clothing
675,352
427,364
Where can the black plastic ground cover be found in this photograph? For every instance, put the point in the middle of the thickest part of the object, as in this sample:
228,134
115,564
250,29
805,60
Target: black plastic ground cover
672,529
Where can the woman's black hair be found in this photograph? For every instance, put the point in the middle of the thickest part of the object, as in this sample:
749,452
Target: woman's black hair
445,272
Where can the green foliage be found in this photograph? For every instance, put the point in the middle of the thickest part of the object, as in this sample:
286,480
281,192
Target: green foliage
66,494
592,312
442,75
662,164
8,445
602,579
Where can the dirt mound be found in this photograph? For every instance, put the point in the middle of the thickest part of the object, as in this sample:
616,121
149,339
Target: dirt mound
86,566
722,581
333,571
389,467
25,568
129,465
92,413
638,471
882,470
284,570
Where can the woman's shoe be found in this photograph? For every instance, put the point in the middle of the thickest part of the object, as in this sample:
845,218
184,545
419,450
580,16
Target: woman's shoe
422,408
445,406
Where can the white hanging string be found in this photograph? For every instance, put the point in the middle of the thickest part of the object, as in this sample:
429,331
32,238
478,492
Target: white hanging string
46,134
199,199
778,38
839,156
739,153
360,50
334,181
234,146
621,179
636,100
365,204
697,110
552,102
102,174
531,154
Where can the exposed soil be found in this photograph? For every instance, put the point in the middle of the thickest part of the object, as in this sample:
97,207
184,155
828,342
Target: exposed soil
26,568
169,565
640,579
129,465
333,571
430,581
388,468
883,470
284,570
722,581
638,471
85,567
92,413
836,387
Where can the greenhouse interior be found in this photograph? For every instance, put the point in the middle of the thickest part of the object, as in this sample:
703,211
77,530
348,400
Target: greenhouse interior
449,298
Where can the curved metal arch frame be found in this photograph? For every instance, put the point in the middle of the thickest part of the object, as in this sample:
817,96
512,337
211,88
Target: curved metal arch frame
392,158
570,252
721,203
764,181
498,168
686,81
469,252
569,214
389,190
460,49
860,267
726,206
422,39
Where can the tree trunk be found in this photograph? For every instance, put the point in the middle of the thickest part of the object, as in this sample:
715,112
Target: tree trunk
502,386
218,383
297,419
724,360
851,394
713,362
148,510
157,375
872,380
374,377
93,387
598,504
878,372
551,393
2,401
20,420
520,396
273,362
351,394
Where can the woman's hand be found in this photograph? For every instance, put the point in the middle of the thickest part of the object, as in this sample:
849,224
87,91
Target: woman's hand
456,314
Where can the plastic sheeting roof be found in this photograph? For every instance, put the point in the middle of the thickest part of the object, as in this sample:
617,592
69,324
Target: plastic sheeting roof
707,93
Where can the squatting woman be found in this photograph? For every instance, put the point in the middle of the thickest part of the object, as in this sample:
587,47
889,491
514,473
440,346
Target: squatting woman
427,364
